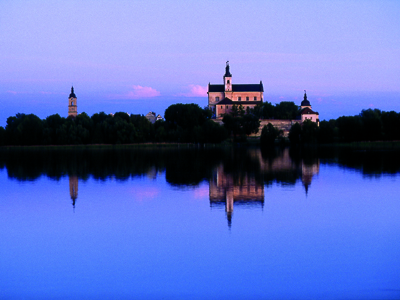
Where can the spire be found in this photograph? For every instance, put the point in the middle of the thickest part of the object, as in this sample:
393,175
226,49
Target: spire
72,95
227,73
305,102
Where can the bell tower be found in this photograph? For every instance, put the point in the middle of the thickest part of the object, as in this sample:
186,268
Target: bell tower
72,104
228,78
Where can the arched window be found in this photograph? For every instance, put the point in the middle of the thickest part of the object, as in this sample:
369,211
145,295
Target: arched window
72,102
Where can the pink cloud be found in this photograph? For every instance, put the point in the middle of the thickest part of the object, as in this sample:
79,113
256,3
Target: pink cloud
17,93
195,91
138,92
147,194
201,193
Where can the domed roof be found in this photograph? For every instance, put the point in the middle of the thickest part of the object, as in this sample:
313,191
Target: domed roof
305,102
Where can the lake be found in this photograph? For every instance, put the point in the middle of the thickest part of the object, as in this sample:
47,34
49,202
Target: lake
195,223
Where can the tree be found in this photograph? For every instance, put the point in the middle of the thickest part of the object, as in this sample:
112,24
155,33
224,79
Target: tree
295,134
268,136
24,130
327,131
182,119
232,124
350,129
372,124
2,136
214,133
268,110
286,110
391,125
250,123
309,132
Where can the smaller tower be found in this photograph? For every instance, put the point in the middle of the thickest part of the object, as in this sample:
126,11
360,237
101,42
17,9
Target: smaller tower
72,104
228,78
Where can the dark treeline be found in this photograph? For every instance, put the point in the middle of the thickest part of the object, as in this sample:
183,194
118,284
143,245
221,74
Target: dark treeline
369,125
285,110
185,166
183,123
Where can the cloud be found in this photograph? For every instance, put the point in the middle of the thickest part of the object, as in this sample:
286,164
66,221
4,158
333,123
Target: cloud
147,194
138,92
195,91
16,93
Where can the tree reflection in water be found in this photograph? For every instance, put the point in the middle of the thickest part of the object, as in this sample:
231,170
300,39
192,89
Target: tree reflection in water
236,176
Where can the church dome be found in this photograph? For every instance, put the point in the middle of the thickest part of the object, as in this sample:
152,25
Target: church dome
305,102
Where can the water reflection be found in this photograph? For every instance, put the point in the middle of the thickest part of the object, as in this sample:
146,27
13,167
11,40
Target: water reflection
190,167
73,189
342,241
224,190
246,189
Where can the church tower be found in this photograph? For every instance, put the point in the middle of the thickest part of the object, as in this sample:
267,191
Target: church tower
228,78
72,104
305,103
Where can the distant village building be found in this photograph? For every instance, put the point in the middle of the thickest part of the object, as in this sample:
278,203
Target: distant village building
152,117
221,97
72,104
306,113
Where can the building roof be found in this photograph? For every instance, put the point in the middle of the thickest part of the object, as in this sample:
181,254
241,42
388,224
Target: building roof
227,72
308,111
229,101
225,101
305,102
72,95
237,88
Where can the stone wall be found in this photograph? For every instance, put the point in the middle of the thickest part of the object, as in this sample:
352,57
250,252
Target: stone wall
283,125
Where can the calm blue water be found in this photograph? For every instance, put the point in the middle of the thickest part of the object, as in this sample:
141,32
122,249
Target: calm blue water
280,228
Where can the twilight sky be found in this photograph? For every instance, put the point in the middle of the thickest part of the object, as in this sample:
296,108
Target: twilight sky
141,56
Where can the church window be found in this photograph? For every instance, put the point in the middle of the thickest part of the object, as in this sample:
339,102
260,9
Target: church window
72,102
247,98
228,81
255,98
239,98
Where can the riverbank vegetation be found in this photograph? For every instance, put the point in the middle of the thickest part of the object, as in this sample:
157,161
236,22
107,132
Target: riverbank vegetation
189,123
369,126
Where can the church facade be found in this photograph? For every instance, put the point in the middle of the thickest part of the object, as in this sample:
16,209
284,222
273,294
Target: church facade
221,97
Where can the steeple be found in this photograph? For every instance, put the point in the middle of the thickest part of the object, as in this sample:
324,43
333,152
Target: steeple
227,73
227,78
72,95
305,102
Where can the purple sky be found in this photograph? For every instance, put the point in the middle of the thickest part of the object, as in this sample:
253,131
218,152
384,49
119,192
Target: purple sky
140,56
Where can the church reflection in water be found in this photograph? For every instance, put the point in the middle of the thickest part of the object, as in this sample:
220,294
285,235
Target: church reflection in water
73,189
247,190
